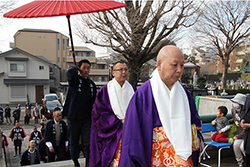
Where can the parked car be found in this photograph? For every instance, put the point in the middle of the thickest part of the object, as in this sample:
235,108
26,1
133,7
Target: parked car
51,104
49,97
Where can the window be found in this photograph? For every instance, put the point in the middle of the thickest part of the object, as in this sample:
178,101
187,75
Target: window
63,44
17,91
101,79
17,67
76,54
64,59
85,54
101,66
58,44
41,67
50,69
58,59
64,72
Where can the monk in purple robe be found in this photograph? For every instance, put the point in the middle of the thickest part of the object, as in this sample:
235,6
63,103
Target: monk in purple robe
108,116
157,129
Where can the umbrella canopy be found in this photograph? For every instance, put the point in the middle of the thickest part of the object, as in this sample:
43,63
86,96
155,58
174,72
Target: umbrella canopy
50,8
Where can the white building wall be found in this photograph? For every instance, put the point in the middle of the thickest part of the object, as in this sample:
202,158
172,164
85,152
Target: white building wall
33,69
32,72
4,90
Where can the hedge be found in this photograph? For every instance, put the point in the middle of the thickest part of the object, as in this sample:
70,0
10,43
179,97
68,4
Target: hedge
235,91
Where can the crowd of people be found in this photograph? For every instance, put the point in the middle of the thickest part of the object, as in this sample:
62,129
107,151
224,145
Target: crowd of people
155,125
239,133
6,114
44,146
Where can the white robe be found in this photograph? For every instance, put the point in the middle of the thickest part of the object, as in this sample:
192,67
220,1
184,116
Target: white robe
119,97
174,113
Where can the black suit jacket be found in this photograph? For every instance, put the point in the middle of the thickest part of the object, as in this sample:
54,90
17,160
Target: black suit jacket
51,137
25,160
245,114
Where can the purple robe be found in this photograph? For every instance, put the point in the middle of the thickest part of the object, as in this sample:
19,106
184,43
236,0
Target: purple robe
141,118
106,131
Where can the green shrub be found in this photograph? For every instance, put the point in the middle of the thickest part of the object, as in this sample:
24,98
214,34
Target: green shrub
235,91
245,77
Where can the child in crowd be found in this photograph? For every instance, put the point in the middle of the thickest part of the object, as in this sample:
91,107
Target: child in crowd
222,126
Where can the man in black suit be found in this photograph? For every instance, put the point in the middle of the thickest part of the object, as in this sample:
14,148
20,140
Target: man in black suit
35,135
17,135
42,149
245,124
56,137
30,156
78,108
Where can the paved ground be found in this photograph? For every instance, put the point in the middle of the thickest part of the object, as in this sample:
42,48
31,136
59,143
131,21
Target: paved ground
15,161
227,158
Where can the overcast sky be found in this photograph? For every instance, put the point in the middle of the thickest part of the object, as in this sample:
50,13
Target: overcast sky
8,27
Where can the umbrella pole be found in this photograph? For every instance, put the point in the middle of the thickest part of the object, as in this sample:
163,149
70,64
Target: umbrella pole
71,40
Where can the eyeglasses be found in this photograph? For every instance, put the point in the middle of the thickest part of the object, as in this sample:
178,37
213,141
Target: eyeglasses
58,115
121,70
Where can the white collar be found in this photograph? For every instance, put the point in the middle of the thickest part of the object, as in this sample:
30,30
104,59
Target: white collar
56,122
119,97
174,112
31,151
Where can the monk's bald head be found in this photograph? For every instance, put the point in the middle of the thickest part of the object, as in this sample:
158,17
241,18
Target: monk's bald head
170,64
167,52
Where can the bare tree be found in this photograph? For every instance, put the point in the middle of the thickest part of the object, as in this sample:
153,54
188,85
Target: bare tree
6,5
138,31
245,56
225,25
208,68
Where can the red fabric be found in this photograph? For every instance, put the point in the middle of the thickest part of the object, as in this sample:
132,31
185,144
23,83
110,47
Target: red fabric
49,8
220,138
47,114
7,143
18,127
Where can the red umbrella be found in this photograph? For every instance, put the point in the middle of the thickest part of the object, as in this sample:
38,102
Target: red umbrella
50,8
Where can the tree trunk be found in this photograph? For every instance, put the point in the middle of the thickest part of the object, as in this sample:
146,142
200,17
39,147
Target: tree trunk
134,73
133,78
224,75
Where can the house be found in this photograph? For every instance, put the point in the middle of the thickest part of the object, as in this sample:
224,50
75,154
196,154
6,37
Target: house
51,44
238,59
23,76
54,47
202,55
54,75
